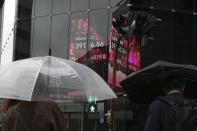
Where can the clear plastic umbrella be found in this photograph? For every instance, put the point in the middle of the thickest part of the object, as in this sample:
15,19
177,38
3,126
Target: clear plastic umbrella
52,78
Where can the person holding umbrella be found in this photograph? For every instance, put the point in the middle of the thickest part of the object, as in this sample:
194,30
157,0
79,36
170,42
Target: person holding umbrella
33,116
159,111
37,81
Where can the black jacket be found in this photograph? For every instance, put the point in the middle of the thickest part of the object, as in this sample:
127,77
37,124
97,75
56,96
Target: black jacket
159,113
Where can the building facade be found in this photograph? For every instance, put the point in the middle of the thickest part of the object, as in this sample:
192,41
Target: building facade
80,30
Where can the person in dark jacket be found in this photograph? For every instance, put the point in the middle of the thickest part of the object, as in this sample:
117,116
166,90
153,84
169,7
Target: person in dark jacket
159,112
33,116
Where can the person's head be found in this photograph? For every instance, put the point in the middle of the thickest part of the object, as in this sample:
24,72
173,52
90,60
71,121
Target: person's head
174,82
8,103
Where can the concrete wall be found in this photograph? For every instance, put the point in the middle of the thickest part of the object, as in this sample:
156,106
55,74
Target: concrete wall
8,21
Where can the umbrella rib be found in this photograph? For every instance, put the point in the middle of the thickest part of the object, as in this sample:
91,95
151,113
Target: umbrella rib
58,81
37,77
80,82
78,75
84,90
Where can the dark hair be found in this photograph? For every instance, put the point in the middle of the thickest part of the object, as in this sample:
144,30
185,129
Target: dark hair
8,103
173,82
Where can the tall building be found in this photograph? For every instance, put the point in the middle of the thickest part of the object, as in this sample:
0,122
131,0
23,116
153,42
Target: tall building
80,30
1,13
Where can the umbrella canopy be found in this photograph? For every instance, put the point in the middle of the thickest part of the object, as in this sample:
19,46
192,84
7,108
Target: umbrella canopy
52,78
144,85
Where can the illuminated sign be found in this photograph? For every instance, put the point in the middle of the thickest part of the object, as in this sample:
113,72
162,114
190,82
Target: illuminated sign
128,55
92,107
84,46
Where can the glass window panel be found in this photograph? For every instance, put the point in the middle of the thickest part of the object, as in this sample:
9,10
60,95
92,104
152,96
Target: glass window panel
61,6
161,33
183,35
59,35
166,18
184,28
182,53
184,5
163,4
96,4
78,37
183,20
161,48
194,54
98,35
41,36
43,7
195,30
114,2
142,3
79,5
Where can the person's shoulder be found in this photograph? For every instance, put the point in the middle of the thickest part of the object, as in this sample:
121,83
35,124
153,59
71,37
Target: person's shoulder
177,99
160,99
157,102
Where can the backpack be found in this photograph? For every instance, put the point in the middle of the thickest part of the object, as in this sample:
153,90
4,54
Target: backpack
183,116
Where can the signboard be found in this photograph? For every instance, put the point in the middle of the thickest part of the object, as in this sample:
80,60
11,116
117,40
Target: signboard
86,45
128,56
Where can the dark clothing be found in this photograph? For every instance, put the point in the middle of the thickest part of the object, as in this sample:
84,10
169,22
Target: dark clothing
159,113
35,116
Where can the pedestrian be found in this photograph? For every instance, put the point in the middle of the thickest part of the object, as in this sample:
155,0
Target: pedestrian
33,116
159,114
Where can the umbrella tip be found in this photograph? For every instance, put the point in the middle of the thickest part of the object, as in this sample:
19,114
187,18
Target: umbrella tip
49,51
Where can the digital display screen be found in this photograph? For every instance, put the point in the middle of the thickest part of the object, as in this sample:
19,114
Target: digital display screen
78,38
90,46
84,46
128,56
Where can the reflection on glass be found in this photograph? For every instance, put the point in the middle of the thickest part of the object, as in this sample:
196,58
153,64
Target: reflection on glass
79,5
61,6
96,4
184,5
142,3
163,4
59,43
128,56
183,28
78,37
97,44
114,2
43,7
95,49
